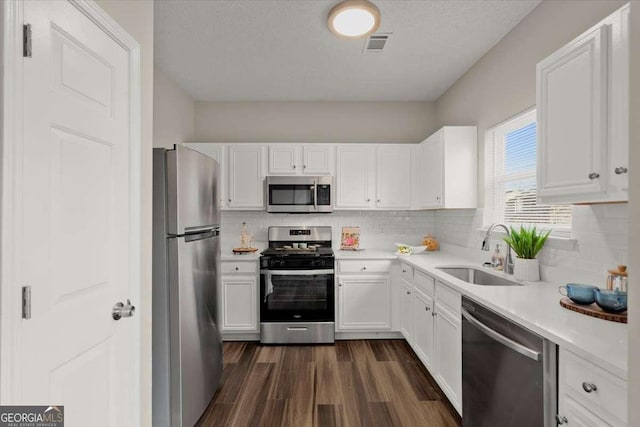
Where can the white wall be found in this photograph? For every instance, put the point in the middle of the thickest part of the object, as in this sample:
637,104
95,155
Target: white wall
173,112
634,238
136,17
314,121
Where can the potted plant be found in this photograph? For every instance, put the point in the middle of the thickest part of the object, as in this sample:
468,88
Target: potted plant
526,244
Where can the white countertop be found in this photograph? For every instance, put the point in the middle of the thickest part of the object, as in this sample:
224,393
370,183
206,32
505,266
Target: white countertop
535,305
240,257
365,254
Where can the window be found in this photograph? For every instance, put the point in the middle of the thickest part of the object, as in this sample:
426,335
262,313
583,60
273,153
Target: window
510,178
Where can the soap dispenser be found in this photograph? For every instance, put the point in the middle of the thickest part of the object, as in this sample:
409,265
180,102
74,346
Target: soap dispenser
497,260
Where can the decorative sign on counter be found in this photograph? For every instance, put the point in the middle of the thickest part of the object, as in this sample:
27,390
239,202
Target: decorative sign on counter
350,239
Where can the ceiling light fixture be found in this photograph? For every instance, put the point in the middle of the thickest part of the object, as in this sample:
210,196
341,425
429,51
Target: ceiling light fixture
354,19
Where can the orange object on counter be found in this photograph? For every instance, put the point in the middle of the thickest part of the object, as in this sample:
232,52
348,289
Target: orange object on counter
430,242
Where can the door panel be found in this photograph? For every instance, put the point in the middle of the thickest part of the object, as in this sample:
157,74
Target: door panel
393,180
355,180
78,209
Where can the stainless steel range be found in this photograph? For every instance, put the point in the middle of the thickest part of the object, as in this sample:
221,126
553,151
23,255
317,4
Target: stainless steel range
297,286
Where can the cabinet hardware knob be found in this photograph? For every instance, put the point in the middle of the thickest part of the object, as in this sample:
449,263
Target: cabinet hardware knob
427,309
433,313
408,293
620,170
368,200
378,200
304,166
561,419
364,268
294,166
229,200
589,387
437,197
237,268
404,271
594,175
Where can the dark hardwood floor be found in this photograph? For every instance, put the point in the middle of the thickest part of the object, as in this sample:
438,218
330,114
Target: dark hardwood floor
351,383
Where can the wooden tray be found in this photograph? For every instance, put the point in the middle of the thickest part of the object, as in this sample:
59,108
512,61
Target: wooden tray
244,250
594,311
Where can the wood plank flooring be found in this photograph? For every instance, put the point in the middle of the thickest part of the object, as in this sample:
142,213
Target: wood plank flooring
351,383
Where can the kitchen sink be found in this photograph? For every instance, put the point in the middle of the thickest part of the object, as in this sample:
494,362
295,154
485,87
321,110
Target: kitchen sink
477,276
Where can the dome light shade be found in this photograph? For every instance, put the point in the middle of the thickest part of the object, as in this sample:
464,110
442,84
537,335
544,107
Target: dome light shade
354,19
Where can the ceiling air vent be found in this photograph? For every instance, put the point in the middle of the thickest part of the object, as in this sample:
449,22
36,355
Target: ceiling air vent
375,42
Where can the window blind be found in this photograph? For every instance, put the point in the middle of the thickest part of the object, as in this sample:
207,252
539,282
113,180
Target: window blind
510,178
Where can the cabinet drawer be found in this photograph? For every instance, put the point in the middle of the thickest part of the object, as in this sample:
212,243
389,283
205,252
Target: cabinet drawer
610,394
423,282
448,297
406,271
232,267
365,266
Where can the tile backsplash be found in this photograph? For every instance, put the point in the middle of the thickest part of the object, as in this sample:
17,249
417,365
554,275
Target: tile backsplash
599,235
378,229
599,241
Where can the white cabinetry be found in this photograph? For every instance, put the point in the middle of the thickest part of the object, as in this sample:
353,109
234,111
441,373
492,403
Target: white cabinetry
583,114
294,159
246,174
423,327
393,176
448,344
588,395
364,295
355,177
238,297
445,169
216,152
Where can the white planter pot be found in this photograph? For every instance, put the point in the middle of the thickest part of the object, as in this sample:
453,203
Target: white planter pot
526,269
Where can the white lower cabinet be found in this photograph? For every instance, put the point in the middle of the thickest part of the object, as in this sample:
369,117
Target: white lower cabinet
448,353
588,395
238,297
406,317
423,327
364,303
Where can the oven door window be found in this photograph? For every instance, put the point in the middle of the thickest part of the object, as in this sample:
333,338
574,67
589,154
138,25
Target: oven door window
287,195
297,297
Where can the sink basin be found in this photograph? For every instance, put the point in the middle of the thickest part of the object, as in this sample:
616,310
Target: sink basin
477,276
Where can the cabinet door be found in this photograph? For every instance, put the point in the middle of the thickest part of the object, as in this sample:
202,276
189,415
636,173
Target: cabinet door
406,318
317,160
393,176
354,177
364,303
283,159
572,101
239,304
216,152
579,416
448,353
246,177
423,327
432,177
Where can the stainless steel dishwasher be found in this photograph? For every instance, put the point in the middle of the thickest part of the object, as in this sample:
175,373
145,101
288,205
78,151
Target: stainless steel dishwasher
509,374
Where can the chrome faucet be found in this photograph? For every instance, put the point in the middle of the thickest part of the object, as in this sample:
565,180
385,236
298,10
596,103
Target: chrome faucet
508,261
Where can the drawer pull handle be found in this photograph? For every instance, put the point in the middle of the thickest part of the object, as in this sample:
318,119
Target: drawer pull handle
620,170
594,175
561,419
427,309
589,387
237,269
404,271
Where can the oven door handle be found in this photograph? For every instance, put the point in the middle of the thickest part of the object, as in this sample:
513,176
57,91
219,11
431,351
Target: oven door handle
270,273
268,285
508,342
315,195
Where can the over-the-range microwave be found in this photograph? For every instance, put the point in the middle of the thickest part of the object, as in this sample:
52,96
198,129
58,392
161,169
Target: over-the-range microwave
299,194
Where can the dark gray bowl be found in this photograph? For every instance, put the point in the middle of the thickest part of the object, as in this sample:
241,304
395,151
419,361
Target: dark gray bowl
579,293
612,301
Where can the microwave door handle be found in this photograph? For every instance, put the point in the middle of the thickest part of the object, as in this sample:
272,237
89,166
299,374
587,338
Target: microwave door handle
315,195
268,286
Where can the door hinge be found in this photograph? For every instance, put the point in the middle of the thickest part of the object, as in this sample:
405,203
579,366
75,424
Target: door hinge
26,302
26,40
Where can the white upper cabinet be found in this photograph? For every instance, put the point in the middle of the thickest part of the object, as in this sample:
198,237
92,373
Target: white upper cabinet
445,169
355,179
217,153
294,159
283,159
393,176
582,108
246,166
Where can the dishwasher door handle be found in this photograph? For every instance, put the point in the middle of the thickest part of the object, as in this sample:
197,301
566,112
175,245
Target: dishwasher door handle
508,342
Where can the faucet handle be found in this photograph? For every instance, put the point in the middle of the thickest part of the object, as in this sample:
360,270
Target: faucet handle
485,244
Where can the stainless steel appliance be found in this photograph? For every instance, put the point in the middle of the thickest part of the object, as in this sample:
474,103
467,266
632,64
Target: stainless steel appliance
187,346
297,286
299,194
508,372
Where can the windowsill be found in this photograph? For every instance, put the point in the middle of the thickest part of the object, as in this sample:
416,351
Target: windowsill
558,242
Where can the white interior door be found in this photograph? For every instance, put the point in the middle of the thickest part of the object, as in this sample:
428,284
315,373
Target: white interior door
78,245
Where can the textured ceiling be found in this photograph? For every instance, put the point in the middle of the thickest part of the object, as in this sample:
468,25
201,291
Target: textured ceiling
264,50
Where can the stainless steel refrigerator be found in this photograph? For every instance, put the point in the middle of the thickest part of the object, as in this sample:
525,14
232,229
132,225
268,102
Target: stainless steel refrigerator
187,345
